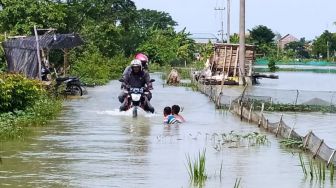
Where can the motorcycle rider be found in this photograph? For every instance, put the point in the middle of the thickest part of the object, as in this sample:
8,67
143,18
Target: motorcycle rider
144,62
136,78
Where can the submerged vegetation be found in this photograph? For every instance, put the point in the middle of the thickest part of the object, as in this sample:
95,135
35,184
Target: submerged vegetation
315,169
196,169
292,143
237,183
277,107
235,140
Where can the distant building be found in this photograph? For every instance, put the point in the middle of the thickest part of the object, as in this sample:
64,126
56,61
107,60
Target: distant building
286,39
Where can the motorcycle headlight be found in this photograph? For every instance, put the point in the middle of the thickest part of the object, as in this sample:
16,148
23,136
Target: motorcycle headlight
135,97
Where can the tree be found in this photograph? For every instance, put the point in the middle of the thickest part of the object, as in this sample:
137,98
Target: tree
165,46
234,38
298,47
154,19
261,35
19,16
325,42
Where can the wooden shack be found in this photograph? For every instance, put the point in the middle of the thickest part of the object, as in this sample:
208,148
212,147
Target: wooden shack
224,63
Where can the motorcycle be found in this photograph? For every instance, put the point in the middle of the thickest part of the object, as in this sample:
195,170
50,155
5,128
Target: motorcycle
136,98
72,85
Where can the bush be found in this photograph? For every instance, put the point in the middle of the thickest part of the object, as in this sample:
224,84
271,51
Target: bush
17,92
95,69
23,103
14,124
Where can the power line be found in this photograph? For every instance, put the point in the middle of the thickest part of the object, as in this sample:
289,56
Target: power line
222,21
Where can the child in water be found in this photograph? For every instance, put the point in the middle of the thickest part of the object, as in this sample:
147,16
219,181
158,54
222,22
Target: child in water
168,117
175,111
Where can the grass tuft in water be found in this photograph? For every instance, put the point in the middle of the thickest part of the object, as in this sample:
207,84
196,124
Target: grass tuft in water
220,171
332,171
302,164
316,169
196,169
237,183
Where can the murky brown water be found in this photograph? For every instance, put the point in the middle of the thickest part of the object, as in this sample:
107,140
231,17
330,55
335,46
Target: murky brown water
93,145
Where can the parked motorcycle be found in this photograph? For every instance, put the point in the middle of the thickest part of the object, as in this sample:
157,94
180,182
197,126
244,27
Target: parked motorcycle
71,85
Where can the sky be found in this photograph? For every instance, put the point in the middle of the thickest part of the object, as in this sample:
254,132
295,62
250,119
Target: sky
301,18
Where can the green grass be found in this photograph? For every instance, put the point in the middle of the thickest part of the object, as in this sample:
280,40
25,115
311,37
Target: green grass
237,183
13,125
275,107
196,169
292,143
316,169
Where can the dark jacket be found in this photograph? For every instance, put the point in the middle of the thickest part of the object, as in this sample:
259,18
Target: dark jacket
138,80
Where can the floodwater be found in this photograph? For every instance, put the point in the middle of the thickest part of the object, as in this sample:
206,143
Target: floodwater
93,145
310,85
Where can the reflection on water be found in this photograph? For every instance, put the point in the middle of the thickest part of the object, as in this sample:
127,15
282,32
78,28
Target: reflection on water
93,145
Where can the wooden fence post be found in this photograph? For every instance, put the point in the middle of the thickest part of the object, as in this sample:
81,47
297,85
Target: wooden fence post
331,158
279,126
318,149
250,112
307,139
261,114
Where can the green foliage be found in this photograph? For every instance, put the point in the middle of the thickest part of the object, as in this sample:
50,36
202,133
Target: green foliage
316,169
154,19
14,124
272,60
113,30
196,169
95,69
19,16
234,39
165,46
322,43
23,103
298,48
273,107
261,35
205,50
17,92
292,143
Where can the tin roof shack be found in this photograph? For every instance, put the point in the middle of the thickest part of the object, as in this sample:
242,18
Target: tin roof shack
225,64
21,53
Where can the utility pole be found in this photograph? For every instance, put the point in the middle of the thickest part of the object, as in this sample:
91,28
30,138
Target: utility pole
328,51
228,20
242,43
222,22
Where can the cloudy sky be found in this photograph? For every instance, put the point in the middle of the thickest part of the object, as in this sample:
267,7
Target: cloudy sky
301,18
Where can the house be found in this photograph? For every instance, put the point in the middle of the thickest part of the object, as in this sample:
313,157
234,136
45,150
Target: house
286,39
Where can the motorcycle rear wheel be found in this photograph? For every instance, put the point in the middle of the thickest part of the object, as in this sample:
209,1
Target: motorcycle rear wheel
75,90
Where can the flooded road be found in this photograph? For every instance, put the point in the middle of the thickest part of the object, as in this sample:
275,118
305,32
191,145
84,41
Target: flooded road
93,145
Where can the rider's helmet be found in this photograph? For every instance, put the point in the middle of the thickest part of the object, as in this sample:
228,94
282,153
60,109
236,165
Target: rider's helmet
136,65
143,58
